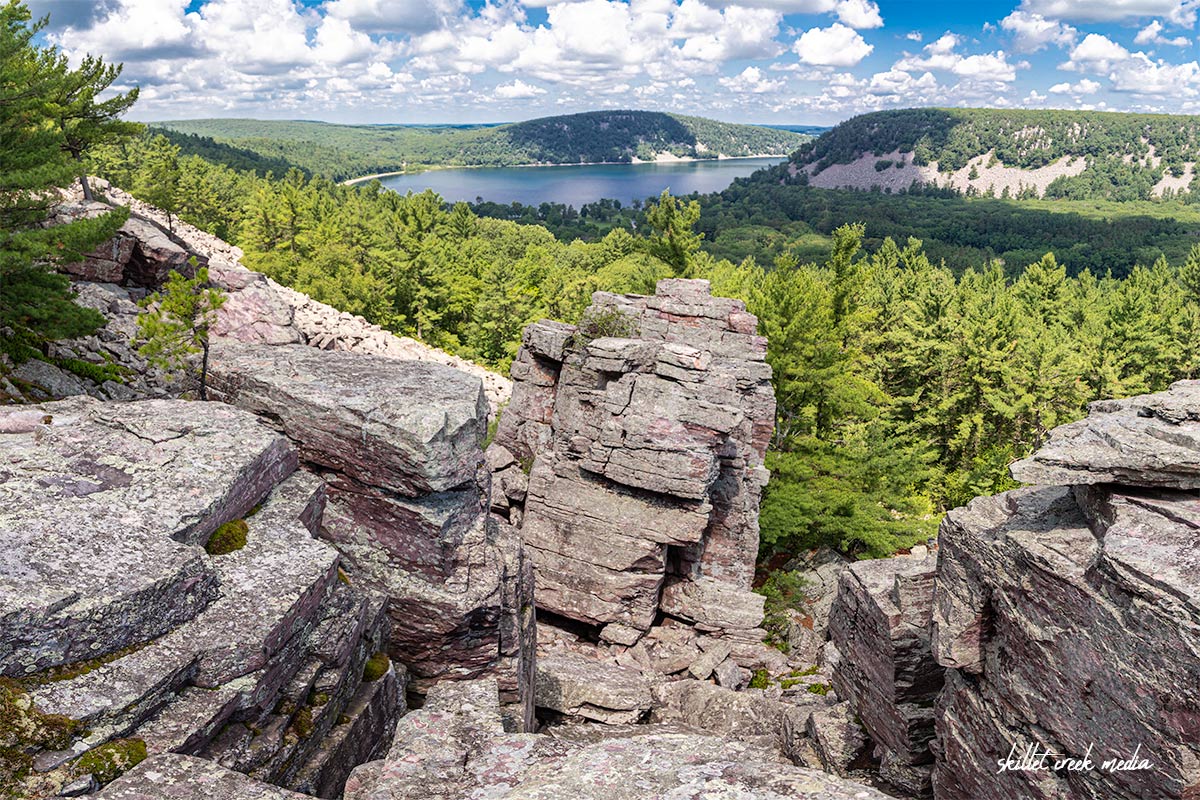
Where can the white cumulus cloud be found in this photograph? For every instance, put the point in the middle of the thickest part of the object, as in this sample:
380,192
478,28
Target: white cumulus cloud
1032,32
1182,12
835,46
859,14
1152,34
518,90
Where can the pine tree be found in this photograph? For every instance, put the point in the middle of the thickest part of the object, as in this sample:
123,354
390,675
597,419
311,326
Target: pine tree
176,322
158,177
674,241
85,122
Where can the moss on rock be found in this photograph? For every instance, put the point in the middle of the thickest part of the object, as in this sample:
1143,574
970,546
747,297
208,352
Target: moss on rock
377,666
109,761
229,537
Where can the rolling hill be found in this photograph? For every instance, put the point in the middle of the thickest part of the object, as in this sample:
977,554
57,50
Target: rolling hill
345,151
1078,155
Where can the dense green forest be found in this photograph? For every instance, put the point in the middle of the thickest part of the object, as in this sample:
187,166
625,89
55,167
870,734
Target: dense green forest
760,216
905,385
347,151
1126,154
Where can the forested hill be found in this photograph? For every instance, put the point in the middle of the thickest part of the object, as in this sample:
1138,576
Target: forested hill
345,151
1079,155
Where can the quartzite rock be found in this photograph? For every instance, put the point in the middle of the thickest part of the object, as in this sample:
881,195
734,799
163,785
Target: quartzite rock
1070,625
178,777
455,748
880,625
1151,440
398,443
577,686
106,511
116,498
647,461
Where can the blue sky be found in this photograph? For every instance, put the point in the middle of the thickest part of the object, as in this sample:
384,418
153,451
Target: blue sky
783,61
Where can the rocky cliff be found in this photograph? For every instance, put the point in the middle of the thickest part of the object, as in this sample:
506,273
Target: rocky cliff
1063,619
234,600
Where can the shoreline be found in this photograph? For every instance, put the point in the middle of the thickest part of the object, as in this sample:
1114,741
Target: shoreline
634,163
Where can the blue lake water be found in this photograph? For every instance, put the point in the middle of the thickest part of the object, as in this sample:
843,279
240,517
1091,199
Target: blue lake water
576,185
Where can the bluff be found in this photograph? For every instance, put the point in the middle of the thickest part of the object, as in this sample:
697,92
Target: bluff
1006,152
1061,617
238,598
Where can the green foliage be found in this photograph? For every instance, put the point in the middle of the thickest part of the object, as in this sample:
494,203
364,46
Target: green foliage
604,323
819,688
25,730
227,538
46,110
344,151
176,321
110,761
674,241
761,679
784,592
377,666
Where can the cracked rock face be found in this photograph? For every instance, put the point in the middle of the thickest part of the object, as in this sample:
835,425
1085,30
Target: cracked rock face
1069,620
398,443
455,748
114,615
880,626
646,457
1151,440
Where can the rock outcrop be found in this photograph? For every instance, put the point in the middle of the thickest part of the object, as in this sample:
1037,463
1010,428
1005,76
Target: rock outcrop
880,629
644,447
120,272
117,622
1065,617
398,445
455,748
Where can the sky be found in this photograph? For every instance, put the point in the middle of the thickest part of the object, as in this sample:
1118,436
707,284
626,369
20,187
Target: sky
768,61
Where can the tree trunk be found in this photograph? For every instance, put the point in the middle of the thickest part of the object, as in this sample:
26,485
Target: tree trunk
204,370
87,190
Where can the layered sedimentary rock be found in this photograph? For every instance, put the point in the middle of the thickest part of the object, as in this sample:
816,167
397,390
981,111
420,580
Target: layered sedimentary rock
880,627
1151,440
397,442
1070,623
455,748
644,449
119,624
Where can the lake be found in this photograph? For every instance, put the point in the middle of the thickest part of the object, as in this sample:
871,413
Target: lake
576,185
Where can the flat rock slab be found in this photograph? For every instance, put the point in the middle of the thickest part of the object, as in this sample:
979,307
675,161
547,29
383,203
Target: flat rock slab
455,749
1151,440
175,777
102,510
415,426
579,686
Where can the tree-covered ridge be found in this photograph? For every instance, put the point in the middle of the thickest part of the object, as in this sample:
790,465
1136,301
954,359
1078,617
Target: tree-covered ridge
346,151
1126,154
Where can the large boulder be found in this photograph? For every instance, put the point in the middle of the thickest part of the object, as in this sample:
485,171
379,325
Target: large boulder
1151,440
880,626
455,748
1069,625
398,443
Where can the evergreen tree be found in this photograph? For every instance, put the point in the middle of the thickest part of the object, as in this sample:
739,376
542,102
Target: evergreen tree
34,301
674,241
176,322
85,122
158,177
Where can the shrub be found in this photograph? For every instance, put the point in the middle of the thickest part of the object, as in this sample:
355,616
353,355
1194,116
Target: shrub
760,680
604,322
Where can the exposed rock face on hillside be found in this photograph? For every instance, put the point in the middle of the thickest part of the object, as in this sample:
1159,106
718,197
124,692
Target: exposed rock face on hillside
455,748
1065,617
397,442
645,451
113,614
